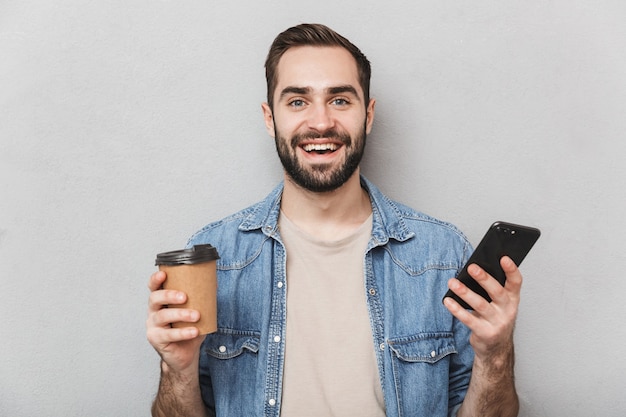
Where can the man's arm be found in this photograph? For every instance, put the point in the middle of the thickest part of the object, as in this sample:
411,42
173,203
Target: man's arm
491,392
492,387
179,349
179,395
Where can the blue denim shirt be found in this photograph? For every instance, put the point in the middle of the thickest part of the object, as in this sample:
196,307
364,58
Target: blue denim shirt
423,353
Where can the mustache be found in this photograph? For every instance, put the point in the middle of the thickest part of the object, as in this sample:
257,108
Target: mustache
329,134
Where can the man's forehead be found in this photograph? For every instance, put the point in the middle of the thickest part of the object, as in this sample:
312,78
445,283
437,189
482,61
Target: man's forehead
317,67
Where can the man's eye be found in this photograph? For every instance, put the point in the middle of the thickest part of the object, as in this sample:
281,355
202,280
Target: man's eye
340,102
296,103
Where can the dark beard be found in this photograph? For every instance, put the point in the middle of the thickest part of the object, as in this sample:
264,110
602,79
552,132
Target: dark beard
320,179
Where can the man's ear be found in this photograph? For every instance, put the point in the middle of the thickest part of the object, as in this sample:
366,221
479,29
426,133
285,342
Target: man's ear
371,109
268,116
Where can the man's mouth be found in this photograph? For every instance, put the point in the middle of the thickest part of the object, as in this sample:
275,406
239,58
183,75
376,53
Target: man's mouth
320,148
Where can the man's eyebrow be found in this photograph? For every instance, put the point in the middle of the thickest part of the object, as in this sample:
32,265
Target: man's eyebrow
294,90
342,89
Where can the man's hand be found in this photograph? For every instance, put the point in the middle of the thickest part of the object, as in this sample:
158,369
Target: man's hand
179,348
492,324
492,387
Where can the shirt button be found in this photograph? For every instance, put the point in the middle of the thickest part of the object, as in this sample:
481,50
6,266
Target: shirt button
372,291
276,339
272,402
222,349
382,346
433,354
280,284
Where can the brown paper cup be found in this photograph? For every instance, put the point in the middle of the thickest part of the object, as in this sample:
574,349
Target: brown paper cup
196,276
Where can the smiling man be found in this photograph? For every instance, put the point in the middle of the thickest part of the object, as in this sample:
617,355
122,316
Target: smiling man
329,292
320,126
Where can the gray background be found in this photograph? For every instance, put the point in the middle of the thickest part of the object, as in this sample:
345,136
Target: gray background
125,126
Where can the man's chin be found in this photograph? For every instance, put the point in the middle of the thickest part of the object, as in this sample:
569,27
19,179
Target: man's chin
320,183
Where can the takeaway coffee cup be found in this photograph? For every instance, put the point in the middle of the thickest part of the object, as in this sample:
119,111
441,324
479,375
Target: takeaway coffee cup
193,271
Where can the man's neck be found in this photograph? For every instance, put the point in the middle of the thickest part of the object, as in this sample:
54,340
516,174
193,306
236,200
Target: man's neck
330,215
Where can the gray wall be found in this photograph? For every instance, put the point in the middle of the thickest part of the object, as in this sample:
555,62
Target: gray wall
125,126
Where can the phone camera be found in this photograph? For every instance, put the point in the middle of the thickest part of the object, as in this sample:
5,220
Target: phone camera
505,230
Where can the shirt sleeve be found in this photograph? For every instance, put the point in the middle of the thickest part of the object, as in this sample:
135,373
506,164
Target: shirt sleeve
461,363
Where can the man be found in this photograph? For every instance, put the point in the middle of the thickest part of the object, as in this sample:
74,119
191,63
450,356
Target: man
329,300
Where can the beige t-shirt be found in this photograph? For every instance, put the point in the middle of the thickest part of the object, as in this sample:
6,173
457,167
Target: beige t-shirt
330,365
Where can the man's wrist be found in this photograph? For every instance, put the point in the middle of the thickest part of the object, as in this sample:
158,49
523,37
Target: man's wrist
496,365
178,377
179,393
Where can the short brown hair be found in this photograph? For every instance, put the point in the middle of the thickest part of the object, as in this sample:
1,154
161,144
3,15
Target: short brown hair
308,34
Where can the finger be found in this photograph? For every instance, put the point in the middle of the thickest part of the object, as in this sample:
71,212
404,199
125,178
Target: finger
464,316
167,316
160,332
160,298
158,336
156,280
494,289
476,301
513,275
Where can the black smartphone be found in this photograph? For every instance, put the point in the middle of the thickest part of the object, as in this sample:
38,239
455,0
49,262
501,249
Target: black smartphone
502,239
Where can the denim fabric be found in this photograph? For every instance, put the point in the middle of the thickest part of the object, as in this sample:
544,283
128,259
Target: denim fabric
423,352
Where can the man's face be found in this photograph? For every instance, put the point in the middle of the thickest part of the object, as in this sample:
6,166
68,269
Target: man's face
319,120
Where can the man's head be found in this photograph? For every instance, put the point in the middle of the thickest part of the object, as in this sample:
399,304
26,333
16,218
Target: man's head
319,114
312,35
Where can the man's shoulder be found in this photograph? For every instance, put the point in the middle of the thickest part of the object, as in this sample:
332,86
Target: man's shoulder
401,217
249,219
419,219
232,221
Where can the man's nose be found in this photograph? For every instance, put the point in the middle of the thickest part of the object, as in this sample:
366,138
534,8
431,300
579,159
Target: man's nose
320,118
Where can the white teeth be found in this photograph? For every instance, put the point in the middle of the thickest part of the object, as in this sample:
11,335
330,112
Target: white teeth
320,147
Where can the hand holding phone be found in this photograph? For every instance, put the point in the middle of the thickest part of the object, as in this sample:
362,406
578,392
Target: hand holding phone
502,239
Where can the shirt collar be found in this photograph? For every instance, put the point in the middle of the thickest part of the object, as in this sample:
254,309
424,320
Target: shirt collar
388,221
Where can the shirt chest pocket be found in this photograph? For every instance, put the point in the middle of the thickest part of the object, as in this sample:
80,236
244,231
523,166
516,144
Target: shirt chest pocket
421,371
229,345
231,377
424,347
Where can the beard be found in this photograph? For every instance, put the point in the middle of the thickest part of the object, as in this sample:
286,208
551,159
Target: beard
322,177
